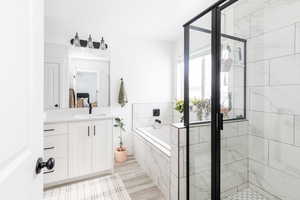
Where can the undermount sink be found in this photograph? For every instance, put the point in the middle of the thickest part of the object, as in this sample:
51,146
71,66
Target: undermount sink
89,116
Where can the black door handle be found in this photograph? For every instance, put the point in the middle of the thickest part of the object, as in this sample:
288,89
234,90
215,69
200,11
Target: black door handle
220,121
40,165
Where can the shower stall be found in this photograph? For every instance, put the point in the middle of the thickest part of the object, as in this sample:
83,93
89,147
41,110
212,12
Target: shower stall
248,146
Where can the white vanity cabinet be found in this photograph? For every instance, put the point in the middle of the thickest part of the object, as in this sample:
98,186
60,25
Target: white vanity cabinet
102,152
81,149
90,147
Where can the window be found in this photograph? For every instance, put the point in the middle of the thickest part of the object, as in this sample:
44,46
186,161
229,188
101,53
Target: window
200,78
200,86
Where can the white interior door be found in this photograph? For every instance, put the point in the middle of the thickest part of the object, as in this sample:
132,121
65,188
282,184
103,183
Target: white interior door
21,86
52,86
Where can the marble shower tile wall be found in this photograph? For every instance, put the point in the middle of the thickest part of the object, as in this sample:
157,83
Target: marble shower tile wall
273,85
142,113
234,150
262,47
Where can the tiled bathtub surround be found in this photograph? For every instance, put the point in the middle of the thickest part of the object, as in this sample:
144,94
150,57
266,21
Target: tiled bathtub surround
273,85
152,146
154,162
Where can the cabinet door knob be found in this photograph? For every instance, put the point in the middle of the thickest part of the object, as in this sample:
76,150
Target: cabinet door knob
40,165
88,131
94,130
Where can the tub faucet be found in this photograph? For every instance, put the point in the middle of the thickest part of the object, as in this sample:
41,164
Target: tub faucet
90,108
157,124
158,121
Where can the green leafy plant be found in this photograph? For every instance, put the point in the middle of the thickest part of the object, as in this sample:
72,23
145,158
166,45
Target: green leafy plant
179,107
119,123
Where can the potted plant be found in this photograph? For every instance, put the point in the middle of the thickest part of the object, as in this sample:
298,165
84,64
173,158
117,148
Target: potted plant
179,106
202,107
121,152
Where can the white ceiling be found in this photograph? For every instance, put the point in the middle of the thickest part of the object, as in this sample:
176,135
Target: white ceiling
149,19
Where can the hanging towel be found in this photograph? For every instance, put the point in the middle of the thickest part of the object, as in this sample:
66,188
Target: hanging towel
122,95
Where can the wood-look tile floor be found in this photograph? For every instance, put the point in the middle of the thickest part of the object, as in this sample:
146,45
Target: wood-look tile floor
138,184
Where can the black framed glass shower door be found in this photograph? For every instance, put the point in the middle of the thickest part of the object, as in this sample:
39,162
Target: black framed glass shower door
202,39
208,98
202,49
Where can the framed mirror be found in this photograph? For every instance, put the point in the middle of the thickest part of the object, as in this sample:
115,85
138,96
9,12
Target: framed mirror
89,83
75,78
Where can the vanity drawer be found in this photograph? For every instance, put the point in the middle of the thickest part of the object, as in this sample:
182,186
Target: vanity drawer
56,146
58,173
52,129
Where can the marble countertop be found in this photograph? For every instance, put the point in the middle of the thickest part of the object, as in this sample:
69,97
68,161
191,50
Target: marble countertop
76,118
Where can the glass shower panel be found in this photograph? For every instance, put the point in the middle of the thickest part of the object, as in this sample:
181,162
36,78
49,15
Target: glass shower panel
232,77
200,77
234,137
200,67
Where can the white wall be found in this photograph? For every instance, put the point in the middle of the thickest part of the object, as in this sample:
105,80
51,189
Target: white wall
145,66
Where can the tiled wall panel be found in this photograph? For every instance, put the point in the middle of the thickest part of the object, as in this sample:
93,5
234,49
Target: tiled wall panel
274,95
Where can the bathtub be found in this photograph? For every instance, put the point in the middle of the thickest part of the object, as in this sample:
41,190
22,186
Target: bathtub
159,137
153,153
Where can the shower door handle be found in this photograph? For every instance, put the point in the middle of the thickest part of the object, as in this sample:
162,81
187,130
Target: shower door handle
220,117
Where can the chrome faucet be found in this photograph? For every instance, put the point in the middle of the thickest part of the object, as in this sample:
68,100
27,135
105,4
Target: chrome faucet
90,108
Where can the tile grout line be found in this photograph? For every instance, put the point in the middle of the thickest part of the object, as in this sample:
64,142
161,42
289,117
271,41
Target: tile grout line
271,167
294,129
295,38
257,35
272,140
268,153
269,72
